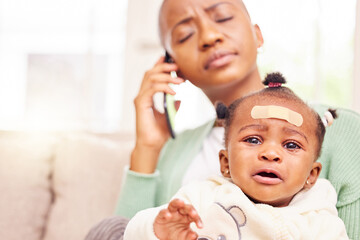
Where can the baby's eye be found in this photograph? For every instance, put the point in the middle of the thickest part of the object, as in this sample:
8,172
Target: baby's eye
292,146
253,140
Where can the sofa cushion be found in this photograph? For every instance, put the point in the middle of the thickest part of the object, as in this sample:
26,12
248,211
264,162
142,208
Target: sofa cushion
25,168
87,178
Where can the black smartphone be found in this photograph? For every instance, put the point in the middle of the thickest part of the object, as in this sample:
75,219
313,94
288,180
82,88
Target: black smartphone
169,103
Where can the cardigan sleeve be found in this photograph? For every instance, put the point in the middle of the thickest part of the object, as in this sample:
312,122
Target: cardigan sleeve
141,191
350,214
138,192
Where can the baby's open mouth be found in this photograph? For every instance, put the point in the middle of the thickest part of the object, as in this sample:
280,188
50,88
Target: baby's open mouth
269,177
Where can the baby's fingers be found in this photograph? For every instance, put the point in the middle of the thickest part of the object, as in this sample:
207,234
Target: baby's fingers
175,205
192,215
164,215
186,210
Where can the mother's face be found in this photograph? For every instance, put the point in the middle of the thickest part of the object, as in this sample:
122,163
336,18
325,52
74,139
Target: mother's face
212,41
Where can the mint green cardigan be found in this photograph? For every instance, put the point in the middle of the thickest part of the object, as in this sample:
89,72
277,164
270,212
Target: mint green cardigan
340,159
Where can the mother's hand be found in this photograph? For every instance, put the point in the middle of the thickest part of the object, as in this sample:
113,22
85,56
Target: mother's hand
151,128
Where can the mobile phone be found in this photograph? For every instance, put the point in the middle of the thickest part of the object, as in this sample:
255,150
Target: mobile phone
169,102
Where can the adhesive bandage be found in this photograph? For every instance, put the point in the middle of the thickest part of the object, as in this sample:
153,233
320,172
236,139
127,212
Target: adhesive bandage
273,111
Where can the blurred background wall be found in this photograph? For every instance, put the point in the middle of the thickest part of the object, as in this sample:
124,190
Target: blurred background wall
77,65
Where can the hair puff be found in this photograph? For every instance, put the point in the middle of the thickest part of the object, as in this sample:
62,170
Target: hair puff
221,110
275,77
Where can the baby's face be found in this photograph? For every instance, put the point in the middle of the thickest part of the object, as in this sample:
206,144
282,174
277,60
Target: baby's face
271,159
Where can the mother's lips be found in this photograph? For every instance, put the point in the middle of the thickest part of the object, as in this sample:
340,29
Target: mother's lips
219,58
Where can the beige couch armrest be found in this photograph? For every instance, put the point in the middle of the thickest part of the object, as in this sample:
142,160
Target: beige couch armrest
86,182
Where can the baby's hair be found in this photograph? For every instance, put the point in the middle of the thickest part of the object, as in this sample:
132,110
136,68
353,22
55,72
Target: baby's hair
274,81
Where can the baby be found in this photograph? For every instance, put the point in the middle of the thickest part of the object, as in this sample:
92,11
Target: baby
269,188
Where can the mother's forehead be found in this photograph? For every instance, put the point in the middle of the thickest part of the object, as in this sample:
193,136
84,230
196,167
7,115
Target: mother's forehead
172,11
180,6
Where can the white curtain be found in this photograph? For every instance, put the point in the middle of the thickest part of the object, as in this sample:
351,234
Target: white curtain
61,64
78,64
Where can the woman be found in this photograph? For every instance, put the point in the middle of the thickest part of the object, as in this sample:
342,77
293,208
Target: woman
214,45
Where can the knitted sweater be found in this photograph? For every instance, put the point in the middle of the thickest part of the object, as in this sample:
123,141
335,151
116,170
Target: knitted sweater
340,159
227,213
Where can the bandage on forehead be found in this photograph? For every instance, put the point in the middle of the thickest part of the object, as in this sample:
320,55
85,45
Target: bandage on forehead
273,111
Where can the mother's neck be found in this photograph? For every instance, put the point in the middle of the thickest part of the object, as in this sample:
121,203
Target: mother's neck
236,89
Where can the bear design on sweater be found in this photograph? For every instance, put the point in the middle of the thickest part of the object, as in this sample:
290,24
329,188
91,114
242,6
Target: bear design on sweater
226,225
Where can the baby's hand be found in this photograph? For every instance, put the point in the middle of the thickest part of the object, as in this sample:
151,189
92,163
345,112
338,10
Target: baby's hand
173,223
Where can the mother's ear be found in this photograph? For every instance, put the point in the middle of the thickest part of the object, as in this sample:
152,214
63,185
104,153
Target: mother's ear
259,36
224,163
169,59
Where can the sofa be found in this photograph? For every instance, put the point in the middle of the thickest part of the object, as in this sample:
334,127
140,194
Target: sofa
57,186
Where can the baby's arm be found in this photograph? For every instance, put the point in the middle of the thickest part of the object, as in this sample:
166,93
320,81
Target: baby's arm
174,221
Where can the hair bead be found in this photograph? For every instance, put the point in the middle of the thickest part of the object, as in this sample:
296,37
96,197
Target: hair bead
221,110
329,117
273,85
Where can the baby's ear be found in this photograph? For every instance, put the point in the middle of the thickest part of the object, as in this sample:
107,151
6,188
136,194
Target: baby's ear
224,163
313,176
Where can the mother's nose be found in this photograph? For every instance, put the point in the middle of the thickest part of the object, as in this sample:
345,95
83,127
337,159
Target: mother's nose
209,35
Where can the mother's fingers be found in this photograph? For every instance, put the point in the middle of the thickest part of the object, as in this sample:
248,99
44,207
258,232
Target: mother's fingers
147,94
161,61
155,78
161,68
